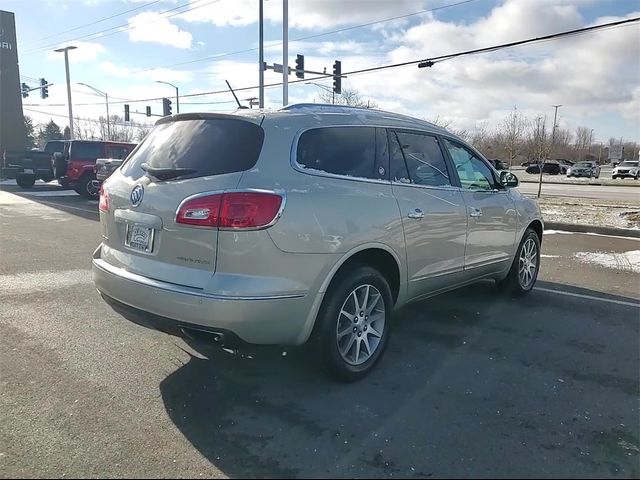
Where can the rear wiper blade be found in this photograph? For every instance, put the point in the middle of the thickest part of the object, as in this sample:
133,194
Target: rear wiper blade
166,173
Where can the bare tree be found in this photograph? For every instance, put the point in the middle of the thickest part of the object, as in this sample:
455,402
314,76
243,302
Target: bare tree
349,96
512,131
539,142
83,129
583,140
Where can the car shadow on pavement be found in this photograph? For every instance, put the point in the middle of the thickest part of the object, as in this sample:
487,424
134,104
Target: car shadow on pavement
473,382
57,197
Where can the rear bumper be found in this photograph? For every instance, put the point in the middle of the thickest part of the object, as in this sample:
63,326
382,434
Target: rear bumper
277,320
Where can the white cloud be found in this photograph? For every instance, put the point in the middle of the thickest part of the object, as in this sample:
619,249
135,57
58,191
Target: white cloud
304,14
164,74
153,27
84,51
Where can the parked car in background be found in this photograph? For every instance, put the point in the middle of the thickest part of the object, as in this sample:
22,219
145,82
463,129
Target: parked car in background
550,166
628,168
301,226
77,167
565,165
584,169
498,164
30,165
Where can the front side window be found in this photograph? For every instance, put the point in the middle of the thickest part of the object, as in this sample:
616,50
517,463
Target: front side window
348,151
417,159
474,174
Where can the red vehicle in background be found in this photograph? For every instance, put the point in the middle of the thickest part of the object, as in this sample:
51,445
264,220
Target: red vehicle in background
77,167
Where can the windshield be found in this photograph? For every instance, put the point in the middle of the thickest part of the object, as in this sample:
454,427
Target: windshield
198,148
629,164
583,164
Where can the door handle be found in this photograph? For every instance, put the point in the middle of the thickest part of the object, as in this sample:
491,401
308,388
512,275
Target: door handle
475,212
417,214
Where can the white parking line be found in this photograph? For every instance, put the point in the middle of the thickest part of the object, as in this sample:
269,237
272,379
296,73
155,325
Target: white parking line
589,297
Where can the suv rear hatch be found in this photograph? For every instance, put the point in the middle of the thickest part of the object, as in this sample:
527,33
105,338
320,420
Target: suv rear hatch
184,156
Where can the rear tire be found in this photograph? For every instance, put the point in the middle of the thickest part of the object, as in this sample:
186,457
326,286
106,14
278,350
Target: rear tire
518,282
25,180
354,323
88,187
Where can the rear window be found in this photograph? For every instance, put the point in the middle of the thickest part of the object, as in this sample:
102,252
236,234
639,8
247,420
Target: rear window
85,150
53,147
348,151
208,146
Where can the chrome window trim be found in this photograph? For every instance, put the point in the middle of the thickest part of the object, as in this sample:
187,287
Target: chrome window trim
282,195
318,173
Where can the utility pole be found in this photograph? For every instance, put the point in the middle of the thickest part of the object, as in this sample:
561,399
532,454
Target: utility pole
261,59
285,52
553,141
66,66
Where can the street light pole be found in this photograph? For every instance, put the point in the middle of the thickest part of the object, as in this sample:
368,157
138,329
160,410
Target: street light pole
285,52
106,99
326,89
66,67
261,59
177,96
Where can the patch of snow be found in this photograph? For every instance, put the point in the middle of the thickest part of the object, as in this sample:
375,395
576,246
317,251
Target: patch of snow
553,232
549,256
627,261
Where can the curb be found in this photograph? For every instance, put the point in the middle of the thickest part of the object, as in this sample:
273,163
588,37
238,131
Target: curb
598,184
574,227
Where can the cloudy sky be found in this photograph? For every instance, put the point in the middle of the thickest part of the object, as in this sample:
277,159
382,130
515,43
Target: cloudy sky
124,46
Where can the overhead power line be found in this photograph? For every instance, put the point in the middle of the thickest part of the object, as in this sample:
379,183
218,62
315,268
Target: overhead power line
308,37
427,60
123,27
79,27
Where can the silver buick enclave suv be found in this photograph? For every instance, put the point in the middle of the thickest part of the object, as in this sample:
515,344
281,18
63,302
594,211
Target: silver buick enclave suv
309,224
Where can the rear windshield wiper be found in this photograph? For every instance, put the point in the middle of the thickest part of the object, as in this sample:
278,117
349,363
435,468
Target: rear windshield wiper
166,173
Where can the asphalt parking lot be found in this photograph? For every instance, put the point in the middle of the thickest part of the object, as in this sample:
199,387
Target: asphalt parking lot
473,383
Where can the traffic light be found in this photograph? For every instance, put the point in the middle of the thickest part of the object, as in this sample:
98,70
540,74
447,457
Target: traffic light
337,79
166,107
300,66
126,112
25,90
44,88
148,111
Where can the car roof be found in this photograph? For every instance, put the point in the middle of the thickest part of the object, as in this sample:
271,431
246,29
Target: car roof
319,115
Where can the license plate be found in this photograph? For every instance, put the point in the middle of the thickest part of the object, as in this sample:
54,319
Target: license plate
28,170
139,237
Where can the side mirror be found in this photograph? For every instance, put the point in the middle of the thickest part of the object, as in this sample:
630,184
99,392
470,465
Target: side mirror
58,156
508,179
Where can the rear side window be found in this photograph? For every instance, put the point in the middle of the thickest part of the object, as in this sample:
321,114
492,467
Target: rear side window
207,146
91,150
119,152
348,151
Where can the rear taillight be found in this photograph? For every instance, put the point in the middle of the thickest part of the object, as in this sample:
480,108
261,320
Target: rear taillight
233,210
103,206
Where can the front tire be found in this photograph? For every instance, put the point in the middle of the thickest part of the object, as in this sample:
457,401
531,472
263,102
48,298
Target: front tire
524,271
25,180
354,323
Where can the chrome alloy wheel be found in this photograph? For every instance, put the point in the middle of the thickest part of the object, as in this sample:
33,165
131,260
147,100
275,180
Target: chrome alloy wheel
360,324
528,263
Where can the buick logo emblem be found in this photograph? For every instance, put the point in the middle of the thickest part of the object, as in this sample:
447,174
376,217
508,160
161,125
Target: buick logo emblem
136,195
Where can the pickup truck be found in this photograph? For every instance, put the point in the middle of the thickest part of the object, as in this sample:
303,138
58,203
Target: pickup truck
27,166
72,163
